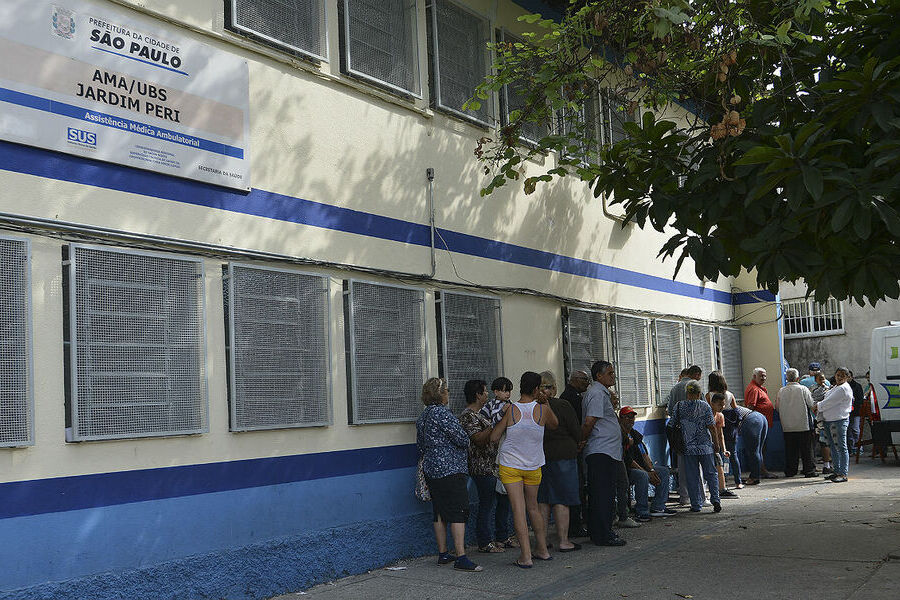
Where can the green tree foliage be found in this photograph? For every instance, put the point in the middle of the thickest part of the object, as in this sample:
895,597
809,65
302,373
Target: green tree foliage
787,162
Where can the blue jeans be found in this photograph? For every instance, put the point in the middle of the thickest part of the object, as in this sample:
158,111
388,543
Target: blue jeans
485,485
501,517
640,479
731,446
836,434
692,465
754,430
852,434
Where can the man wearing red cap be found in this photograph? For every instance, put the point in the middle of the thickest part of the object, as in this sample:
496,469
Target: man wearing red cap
643,473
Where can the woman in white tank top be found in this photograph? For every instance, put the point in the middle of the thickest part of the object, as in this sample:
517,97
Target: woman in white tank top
521,457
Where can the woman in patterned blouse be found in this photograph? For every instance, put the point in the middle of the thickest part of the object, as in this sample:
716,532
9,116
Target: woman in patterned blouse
482,465
443,446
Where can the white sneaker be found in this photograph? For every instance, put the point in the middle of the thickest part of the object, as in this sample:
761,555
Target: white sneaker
627,523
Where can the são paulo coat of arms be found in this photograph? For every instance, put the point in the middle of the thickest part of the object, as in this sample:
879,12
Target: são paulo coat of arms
63,22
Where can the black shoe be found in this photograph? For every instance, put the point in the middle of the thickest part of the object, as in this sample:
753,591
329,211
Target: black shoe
579,533
728,494
827,471
613,541
810,474
717,507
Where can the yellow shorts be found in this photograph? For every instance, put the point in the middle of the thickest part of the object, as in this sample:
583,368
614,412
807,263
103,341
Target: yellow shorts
511,475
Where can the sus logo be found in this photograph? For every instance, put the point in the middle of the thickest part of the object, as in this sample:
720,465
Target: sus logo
63,22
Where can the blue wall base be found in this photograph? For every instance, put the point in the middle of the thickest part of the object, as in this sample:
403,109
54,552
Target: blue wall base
257,571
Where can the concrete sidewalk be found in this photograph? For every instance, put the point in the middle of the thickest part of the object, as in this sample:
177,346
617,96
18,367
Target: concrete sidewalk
787,538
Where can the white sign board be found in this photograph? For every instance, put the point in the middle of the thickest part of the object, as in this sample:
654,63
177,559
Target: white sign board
99,81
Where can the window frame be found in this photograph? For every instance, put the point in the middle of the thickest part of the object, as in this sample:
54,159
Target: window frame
434,46
660,392
648,368
348,62
231,24
352,379
567,336
739,390
71,268
440,312
712,346
230,349
811,316
504,110
29,345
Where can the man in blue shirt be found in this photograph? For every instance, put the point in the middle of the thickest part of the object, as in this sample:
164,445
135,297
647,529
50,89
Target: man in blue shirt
603,453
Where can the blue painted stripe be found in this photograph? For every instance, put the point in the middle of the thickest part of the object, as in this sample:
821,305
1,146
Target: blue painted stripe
140,60
120,123
753,297
39,496
478,246
53,165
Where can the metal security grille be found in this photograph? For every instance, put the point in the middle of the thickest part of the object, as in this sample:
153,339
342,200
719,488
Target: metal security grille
586,334
381,42
387,352
615,114
703,348
16,389
298,25
514,100
459,41
670,353
632,337
732,361
804,317
278,348
471,337
137,341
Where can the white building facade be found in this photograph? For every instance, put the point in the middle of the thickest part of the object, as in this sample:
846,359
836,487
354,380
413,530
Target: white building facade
226,277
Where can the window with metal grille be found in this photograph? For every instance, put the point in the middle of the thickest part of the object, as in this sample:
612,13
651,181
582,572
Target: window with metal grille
584,125
586,339
804,317
137,341
632,336
16,385
670,355
386,351
470,340
278,349
514,100
615,113
460,58
294,25
703,347
732,361
381,42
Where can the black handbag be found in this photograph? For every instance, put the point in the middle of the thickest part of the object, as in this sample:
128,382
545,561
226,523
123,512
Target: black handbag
675,434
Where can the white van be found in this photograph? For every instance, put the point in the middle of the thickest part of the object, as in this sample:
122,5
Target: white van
884,377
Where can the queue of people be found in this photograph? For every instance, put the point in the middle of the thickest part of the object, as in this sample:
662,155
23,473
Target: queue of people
577,457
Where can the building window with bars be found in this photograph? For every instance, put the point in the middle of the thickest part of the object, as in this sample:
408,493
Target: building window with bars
297,26
615,111
380,43
470,346
16,385
385,341
804,317
670,355
732,360
277,348
585,339
460,58
703,347
632,363
135,333
513,101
